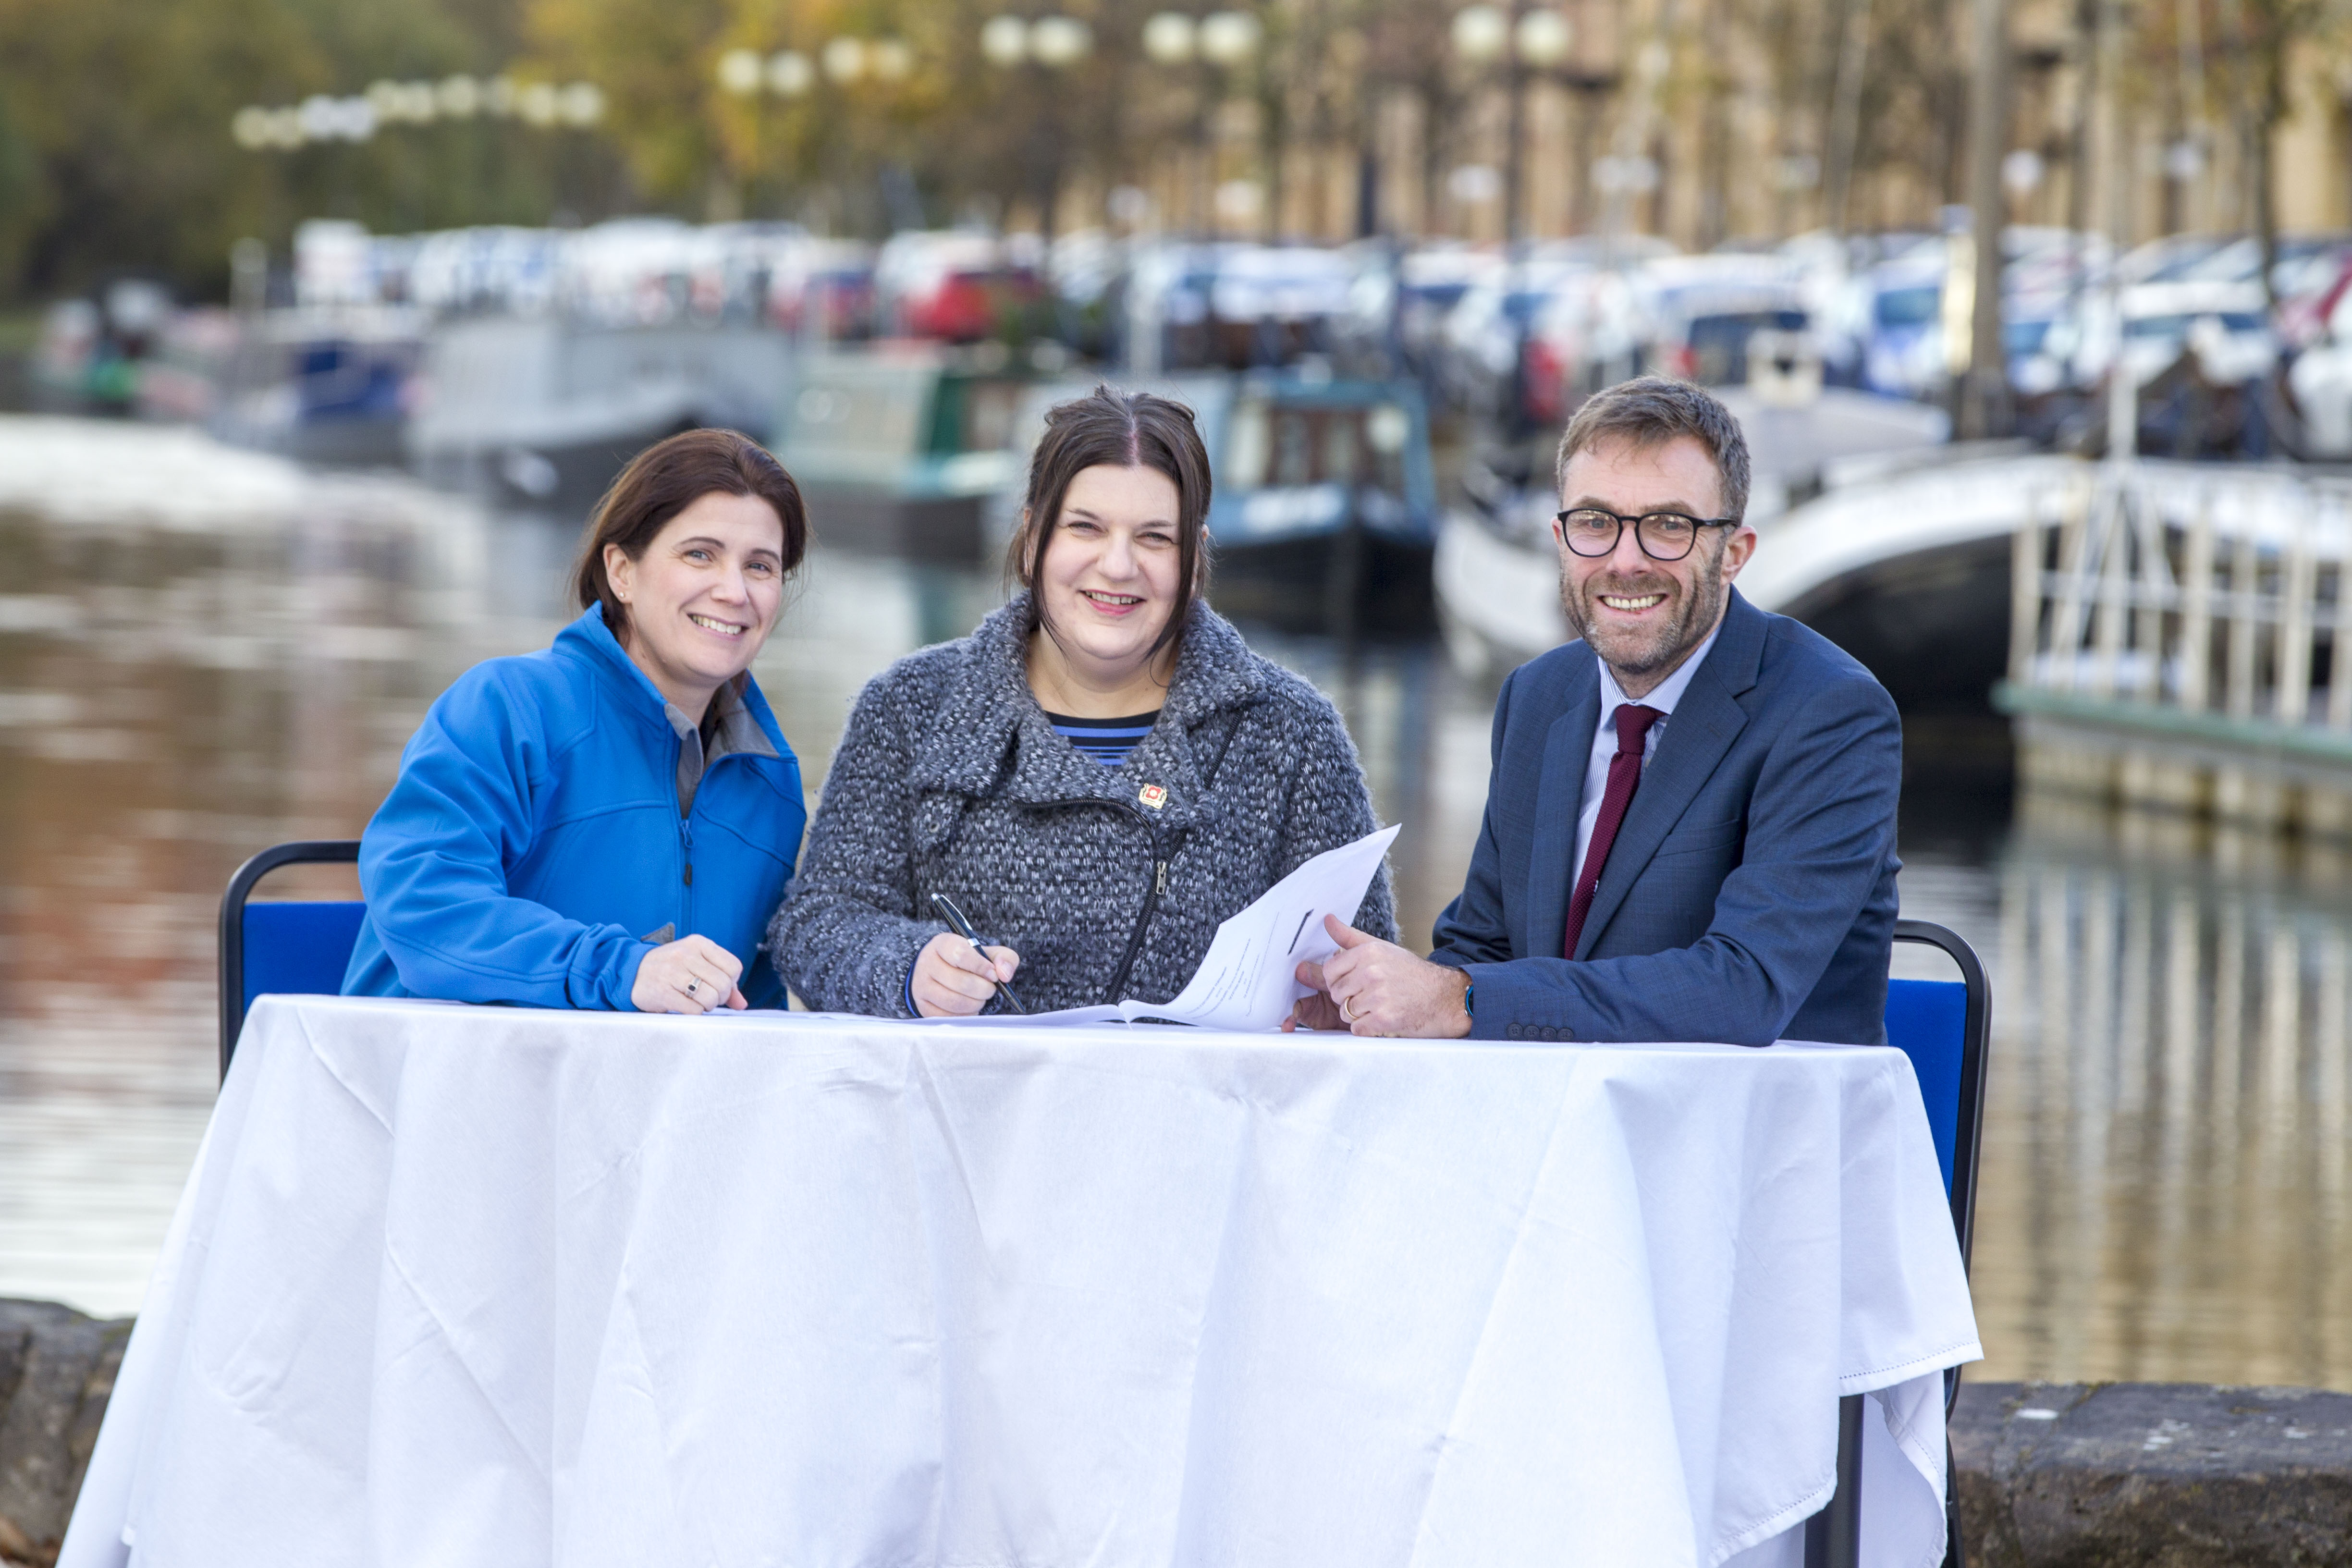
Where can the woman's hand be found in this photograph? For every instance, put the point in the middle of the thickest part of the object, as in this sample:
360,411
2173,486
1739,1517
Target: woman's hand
692,974
952,980
1316,1010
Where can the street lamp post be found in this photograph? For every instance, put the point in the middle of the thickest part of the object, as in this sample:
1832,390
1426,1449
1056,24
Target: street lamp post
1172,38
1631,170
841,63
1482,39
790,74
1218,45
742,73
1053,45
1541,42
1524,42
1230,40
1528,43
386,108
1984,403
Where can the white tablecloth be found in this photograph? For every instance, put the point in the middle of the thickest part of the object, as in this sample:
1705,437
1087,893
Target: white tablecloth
492,1286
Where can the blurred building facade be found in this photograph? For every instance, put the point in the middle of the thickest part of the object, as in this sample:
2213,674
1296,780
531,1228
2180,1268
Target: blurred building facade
1704,121
1746,120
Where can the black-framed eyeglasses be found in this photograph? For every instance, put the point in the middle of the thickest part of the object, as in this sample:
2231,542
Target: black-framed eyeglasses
1662,535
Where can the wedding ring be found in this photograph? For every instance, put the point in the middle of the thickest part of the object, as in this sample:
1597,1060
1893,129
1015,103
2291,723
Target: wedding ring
1346,1011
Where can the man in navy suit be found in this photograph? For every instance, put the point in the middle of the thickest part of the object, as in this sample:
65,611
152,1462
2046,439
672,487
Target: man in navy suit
1690,826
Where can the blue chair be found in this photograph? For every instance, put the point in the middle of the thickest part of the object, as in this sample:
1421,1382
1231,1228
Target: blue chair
1943,1027
288,948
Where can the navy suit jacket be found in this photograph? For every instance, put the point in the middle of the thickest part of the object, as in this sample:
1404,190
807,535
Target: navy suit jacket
1749,895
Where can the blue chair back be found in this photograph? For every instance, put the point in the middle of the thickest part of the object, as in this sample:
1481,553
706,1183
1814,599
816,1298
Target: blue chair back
298,949
282,949
1926,1021
1942,1025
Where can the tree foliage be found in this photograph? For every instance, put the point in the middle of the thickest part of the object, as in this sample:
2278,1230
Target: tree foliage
115,150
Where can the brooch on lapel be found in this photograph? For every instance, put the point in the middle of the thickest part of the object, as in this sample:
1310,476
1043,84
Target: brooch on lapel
1153,795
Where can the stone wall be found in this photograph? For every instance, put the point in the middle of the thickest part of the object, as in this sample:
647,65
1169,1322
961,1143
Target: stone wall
2153,1475
57,1368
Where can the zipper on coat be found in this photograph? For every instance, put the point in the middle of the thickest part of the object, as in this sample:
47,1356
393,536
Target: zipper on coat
686,844
1157,888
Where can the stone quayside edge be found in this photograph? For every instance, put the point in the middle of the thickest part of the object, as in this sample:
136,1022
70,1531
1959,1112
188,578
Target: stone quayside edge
2165,1475
2124,1474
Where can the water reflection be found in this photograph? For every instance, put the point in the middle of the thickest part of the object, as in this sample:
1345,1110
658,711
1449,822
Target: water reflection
2165,1155
200,652
203,652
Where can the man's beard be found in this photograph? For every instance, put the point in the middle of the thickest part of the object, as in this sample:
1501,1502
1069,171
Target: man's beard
1636,652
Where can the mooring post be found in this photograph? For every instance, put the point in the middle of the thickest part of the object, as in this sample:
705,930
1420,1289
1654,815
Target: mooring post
2115,584
2151,592
2197,608
2066,613
2300,587
2027,553
2339,663
2243,613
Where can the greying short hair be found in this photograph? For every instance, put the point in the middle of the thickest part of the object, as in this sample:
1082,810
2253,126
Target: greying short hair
1652,410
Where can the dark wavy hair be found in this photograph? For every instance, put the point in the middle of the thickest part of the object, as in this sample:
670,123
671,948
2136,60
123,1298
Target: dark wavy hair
665,479
1125,430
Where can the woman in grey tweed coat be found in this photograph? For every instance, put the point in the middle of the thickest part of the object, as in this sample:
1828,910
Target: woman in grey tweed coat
1098,882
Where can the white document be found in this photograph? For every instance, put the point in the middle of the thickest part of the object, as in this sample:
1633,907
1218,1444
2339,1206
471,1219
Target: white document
1248,980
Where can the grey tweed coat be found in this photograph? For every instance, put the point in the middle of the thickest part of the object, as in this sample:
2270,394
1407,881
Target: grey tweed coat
951,780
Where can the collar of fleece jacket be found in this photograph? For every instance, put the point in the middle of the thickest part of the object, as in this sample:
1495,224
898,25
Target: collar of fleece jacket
993,739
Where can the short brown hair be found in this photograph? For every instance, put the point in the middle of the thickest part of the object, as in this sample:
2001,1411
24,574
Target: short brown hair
1124,430
665,479
1652,410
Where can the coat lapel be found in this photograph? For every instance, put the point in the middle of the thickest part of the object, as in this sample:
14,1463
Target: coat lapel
992,741
971,732
1215,674
1560,798
1704,723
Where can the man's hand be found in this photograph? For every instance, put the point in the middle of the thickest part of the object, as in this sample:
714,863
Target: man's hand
692,974
1375,987
952,980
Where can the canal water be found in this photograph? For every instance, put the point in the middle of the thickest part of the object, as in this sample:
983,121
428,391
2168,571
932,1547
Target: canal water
203,652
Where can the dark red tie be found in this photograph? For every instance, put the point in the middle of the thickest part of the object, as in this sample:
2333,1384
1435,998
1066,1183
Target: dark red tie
1633,722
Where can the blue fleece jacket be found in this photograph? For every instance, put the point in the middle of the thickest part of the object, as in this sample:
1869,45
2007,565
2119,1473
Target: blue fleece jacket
532,852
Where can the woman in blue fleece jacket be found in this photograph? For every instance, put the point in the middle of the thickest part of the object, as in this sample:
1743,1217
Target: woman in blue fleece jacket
609,823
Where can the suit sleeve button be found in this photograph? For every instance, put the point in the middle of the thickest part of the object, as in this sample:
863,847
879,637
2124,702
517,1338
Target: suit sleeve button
1512,1031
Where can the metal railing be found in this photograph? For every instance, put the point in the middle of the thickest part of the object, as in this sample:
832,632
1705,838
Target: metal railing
2215,608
